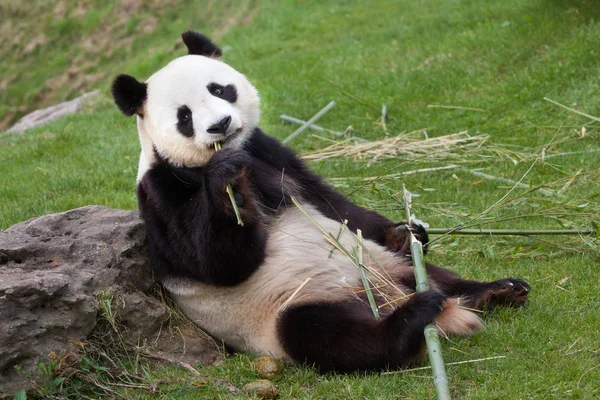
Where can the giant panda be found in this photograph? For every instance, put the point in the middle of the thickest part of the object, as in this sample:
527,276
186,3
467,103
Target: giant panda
275,286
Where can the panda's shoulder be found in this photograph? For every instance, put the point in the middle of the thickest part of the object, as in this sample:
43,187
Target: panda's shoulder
269,150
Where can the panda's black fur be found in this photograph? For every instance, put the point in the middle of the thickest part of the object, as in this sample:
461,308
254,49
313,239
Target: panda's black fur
194,240
263,161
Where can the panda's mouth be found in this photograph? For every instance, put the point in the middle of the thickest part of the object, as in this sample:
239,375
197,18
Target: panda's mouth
230,137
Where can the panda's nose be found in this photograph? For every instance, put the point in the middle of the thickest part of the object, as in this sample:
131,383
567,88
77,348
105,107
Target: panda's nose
221,126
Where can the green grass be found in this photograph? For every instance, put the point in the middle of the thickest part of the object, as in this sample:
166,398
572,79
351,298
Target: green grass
502,57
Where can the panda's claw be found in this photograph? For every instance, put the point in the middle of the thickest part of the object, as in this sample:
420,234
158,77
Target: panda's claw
398,237
510,292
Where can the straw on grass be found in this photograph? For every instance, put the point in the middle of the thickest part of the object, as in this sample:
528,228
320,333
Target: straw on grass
503,198
408,145
230,193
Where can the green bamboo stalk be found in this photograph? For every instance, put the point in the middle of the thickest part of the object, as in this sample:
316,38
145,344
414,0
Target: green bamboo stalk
230,193
363,275
514,232
432,338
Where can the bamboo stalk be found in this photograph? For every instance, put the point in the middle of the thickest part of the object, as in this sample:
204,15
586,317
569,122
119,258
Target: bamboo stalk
337,238
359,262
312,126
456,107
593,118
483,175
320,128
432,338
309,122
230,193
402,371
513,232
395,175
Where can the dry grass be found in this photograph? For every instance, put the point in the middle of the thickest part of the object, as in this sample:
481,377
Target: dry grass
407,145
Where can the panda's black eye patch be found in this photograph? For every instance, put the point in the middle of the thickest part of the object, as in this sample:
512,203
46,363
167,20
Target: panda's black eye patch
228,93
185,124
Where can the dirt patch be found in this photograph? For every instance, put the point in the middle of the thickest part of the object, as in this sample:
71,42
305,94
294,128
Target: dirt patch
50,34
36,31
35,43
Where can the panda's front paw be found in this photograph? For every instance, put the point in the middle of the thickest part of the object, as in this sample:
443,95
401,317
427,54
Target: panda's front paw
225,168
397,237
228,169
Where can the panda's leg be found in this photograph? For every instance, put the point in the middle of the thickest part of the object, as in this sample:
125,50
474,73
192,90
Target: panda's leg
345,336
475,294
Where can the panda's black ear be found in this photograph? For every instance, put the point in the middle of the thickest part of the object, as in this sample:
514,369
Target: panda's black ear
200,45
129,94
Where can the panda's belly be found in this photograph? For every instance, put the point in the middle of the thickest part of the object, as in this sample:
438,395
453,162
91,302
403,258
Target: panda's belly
245,316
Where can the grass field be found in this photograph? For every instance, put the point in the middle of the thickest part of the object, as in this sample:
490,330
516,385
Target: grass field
489,64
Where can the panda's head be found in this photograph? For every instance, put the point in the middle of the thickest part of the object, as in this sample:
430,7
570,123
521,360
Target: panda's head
189,105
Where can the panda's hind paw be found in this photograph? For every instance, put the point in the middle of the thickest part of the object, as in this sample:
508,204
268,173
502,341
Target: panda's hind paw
508,292
511,292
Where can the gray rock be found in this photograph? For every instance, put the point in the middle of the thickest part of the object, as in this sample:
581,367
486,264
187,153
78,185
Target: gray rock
51,270
45,115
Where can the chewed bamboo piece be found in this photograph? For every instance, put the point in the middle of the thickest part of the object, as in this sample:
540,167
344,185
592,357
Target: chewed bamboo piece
230,193
432,338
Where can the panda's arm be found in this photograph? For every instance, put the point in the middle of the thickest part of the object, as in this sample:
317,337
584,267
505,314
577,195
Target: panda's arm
192,233
332,204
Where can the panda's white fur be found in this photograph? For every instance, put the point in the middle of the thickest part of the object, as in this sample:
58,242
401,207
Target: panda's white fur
245,316
262,310
184,82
